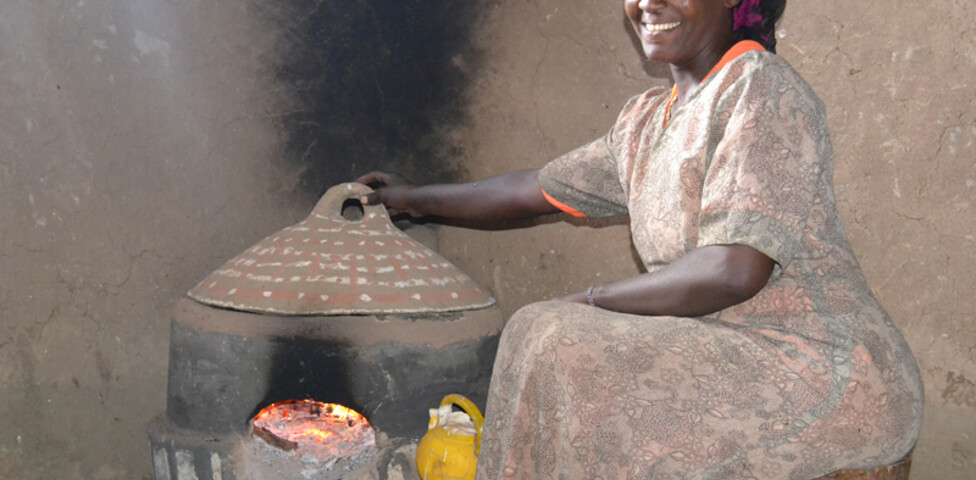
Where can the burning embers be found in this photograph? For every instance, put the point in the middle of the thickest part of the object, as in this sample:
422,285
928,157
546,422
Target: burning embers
333,428
309,440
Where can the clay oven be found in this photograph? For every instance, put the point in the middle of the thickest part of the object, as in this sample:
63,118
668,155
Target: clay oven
342,308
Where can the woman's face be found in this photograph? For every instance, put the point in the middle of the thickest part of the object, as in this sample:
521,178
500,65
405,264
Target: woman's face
678,31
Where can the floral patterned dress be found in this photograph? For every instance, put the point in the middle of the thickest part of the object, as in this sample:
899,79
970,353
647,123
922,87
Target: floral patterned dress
807,377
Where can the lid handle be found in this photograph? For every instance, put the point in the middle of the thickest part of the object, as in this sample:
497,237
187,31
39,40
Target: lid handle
343,203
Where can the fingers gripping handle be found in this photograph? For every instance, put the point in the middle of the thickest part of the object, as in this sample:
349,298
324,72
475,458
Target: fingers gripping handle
332,203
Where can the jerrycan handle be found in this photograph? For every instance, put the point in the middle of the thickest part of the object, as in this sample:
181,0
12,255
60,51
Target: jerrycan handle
472,410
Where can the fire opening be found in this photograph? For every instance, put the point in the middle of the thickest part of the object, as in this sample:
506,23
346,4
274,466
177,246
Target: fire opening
327,428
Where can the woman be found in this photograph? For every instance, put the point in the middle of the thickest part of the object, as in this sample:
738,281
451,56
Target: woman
753,347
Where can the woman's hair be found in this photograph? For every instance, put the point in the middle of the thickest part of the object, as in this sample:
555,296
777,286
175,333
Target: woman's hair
756,20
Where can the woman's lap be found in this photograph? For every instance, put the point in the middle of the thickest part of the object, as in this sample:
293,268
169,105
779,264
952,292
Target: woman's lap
579,392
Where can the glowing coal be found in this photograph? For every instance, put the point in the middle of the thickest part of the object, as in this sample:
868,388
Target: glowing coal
305,439
333,428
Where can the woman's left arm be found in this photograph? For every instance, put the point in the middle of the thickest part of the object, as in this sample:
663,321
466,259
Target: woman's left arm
704,281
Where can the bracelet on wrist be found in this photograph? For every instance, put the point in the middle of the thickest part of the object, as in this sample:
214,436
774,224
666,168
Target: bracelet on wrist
589,296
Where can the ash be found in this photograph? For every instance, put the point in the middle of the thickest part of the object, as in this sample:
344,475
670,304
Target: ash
258,460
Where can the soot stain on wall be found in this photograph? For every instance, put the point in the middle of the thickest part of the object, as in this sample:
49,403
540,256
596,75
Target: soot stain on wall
372,85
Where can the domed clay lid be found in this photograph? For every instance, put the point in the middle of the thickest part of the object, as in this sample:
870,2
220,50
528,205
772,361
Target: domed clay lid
330,265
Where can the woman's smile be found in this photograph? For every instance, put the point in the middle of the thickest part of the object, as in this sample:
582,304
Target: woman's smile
651,28
690,35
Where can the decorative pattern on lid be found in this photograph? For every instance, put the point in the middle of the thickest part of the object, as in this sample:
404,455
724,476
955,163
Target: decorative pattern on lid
328,265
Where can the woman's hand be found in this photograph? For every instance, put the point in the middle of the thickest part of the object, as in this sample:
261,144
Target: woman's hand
390,190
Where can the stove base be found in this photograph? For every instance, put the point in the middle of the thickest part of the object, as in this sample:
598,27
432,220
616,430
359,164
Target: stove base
179,454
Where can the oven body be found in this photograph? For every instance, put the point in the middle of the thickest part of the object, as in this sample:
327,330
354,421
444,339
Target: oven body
389,349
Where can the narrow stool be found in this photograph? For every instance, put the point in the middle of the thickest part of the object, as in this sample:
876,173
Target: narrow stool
895,471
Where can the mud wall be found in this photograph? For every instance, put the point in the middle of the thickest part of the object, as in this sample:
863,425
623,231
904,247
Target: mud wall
142,143
134,153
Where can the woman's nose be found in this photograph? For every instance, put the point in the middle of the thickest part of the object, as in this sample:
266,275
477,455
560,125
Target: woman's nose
650,5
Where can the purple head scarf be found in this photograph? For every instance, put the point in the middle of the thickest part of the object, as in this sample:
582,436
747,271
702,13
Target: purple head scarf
746,14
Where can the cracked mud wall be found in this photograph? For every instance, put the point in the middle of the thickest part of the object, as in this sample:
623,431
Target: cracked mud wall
142,143
134,149
902,110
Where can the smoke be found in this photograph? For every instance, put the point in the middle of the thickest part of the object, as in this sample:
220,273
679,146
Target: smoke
372,85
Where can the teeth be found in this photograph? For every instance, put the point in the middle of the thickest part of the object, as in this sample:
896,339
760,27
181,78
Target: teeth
661,26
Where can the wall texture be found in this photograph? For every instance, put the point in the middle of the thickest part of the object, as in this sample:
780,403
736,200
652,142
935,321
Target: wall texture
901,109
136,154
142,143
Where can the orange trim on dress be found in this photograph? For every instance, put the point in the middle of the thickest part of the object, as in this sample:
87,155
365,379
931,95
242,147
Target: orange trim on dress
562,206
733,53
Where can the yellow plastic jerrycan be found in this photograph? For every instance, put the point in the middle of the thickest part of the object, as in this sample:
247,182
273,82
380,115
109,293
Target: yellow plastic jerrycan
449,449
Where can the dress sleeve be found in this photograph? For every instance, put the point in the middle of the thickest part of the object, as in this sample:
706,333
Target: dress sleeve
586,182
762,180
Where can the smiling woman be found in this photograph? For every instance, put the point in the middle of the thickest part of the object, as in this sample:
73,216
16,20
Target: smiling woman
683,33
753,346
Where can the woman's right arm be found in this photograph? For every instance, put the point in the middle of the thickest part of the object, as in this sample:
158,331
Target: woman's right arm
511,196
